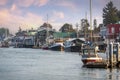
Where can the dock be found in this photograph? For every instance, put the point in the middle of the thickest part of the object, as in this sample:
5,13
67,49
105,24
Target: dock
112,61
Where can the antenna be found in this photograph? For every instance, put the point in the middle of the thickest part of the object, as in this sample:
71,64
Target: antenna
47,18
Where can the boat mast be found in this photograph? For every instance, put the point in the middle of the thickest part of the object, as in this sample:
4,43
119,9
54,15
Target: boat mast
6,33
47,34
77,29
91,19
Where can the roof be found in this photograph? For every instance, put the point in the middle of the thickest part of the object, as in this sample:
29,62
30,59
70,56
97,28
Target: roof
64,34
74,39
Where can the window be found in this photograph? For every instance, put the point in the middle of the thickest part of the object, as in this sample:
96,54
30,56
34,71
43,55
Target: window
112,30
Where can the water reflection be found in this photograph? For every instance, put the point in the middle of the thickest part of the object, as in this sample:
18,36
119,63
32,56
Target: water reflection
113,74
36,64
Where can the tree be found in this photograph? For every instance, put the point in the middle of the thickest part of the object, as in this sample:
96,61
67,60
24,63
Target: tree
85,26
4,31
95,24
45,25
19,29
118,14
110,14
67,28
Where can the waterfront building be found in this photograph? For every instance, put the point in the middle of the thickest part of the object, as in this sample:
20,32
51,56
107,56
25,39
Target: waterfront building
113,31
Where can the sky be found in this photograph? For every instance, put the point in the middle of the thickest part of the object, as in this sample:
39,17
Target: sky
29,14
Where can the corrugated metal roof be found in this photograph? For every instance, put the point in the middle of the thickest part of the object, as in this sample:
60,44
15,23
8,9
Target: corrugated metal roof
64,34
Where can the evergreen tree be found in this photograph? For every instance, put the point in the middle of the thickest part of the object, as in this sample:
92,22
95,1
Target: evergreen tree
110,14
118,14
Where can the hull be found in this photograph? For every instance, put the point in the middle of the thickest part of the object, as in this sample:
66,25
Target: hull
28,46
45,48
73,49
91,60
57,48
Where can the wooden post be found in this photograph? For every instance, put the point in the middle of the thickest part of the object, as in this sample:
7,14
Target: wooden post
117,52
111,55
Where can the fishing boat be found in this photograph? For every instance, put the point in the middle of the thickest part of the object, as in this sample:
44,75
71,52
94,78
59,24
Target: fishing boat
57,45
90,55
73,45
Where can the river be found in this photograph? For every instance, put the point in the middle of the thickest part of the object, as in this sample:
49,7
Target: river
37,64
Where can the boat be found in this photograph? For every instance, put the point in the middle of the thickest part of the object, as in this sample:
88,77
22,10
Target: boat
90,55
45,47
57,45
73,45
4,44
28,42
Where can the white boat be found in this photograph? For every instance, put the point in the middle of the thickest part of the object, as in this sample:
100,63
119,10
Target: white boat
57,45
73,45
90,55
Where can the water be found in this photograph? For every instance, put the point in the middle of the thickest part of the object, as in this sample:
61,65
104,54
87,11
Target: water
36,64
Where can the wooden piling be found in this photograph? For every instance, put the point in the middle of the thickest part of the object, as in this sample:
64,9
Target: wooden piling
111,55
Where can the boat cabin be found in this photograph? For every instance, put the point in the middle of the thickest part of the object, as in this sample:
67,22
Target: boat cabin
90,55
89,52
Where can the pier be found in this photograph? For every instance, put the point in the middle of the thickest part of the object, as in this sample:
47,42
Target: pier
112,55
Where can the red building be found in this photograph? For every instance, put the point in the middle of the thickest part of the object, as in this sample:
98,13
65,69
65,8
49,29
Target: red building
113,31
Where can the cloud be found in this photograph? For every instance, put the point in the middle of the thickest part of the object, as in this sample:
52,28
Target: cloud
3,2
14,9
33,18
13,21
41,2
28,3
24,3
58,14
68,4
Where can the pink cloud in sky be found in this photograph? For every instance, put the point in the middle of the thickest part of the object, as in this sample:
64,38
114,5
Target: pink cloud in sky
24,3
67,4
58,14
14,9
9,19
41,2
28,3
3,2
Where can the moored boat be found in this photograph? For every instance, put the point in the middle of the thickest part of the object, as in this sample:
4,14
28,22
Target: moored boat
45,47
73,45
57,45
4,44
90,55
